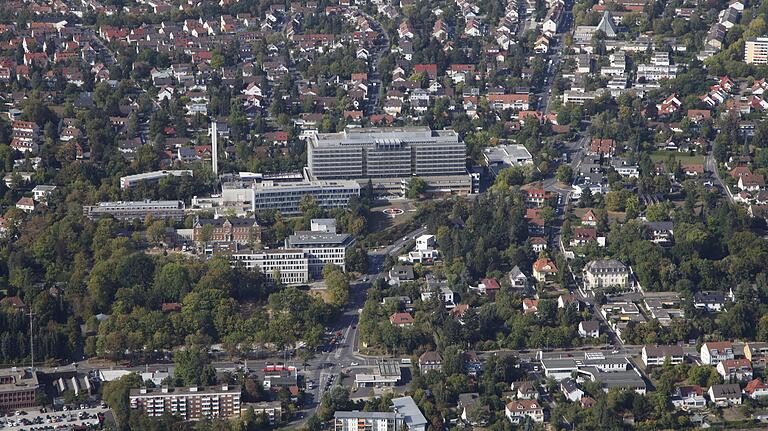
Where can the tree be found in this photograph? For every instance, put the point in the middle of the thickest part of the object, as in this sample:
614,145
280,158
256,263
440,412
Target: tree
564,173
115,394
416,188
156,232
337,284
193,367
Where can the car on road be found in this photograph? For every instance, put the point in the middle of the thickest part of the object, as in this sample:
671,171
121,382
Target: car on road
615,351
354,364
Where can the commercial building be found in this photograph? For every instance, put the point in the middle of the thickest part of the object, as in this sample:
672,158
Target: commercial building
606,273
368,421
384,373
284,195
390,157
291,265
130,210
151,177
18,389
756,50
189,403
505,156
321,248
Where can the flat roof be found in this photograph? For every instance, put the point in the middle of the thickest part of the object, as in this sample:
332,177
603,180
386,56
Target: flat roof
354,414
317,238
413,416
384,135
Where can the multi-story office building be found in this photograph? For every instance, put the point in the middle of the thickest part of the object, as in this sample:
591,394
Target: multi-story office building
390,157
286,196
136,210
291,265
189,403
606,273
756,50
368,421
18,389
150,177
322,248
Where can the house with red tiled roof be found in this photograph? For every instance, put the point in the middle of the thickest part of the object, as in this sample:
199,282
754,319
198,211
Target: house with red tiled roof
669,105
756,389
589,218
401,319
530,305
543,269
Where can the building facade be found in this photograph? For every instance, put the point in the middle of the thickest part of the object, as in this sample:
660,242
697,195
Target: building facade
756,50
368,421
131,210
390,157
286,196
237,230
291,265
189,403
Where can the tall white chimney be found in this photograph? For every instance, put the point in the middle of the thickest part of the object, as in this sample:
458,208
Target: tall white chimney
215,147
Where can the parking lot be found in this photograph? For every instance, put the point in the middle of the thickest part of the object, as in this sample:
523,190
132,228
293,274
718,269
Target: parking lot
52,420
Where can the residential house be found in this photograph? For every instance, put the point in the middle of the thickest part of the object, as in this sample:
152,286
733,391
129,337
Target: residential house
473,411
544,269
517,279
524,390
725,395
714,352
589,218
567,300
606,273
660,232
571,390
429,361
516,411
589,329
530,305
756,389
710,301
735,369
399,274
689,397
26,204
751,183
401,319
658,355
757,353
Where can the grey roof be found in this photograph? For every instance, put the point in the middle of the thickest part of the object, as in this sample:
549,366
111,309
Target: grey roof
730,390
469,398
709,297
622,379
605,265
413,416
415,135
234,221
658,351
569,385
307,238
660,225
516,273
590,325
607,26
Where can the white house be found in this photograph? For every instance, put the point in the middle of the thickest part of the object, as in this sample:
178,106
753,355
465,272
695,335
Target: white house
712,353
589,329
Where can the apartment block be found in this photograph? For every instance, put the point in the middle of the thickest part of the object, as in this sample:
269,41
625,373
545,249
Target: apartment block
756,50
189,403
286,196
390,157
131,210
291,265
368,421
